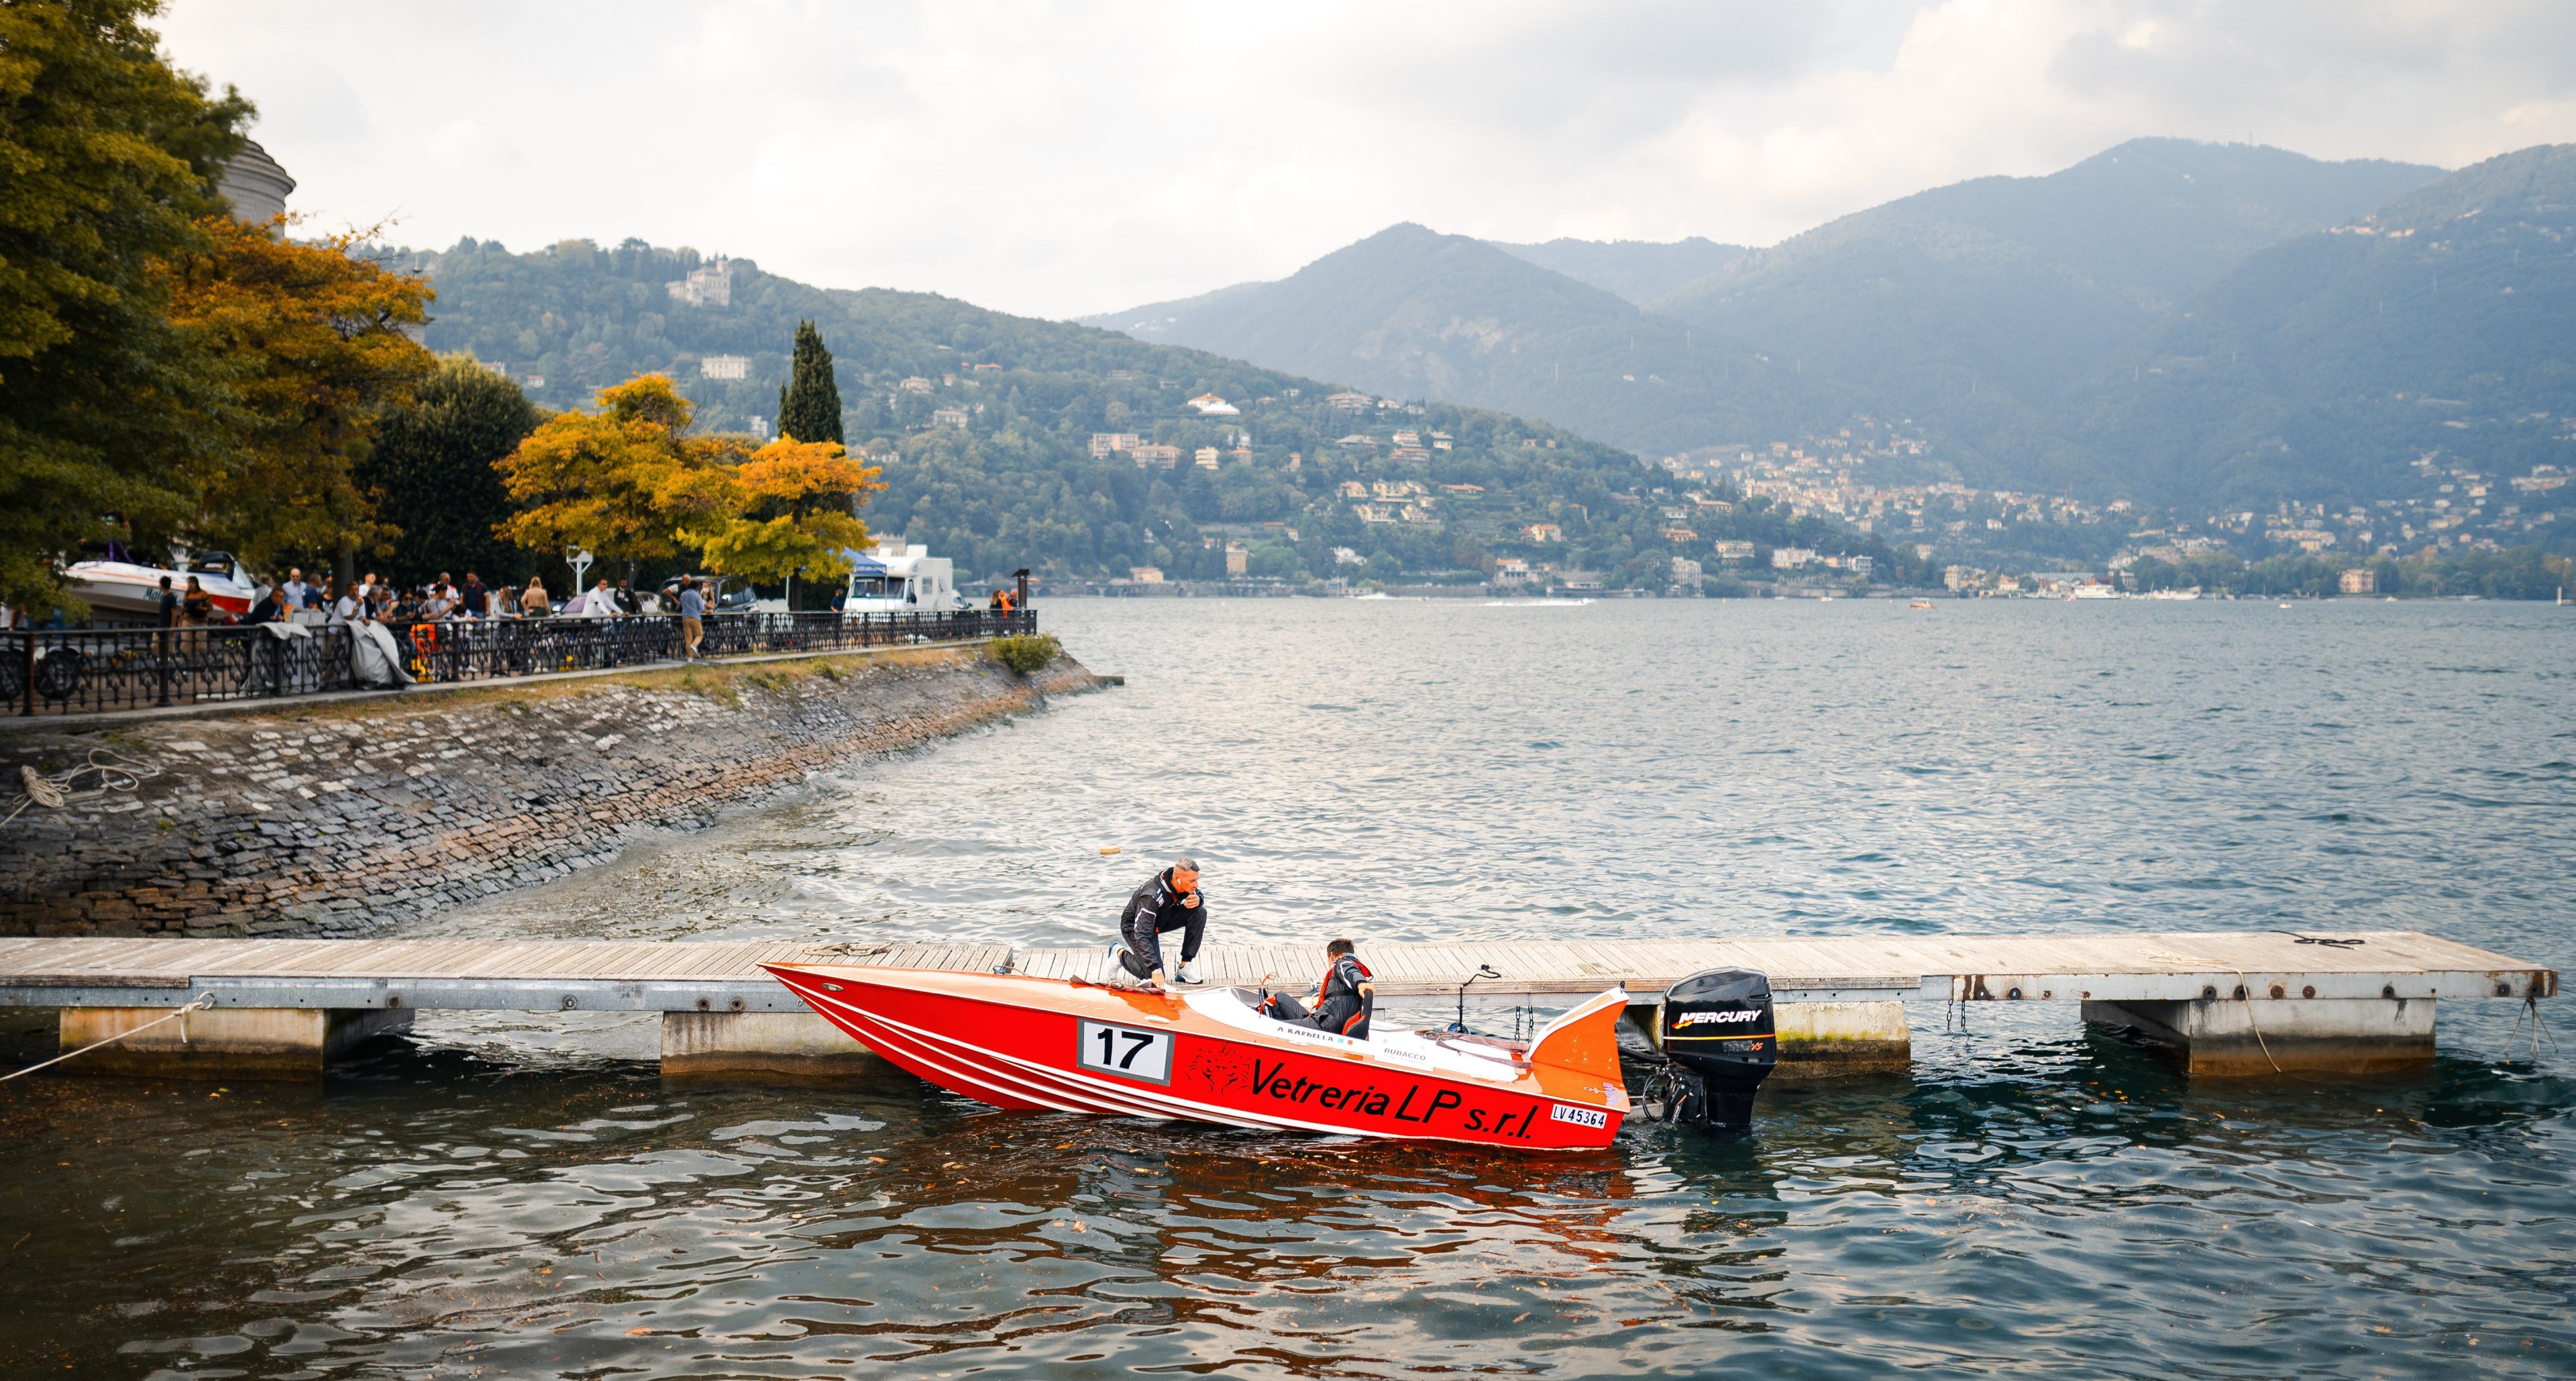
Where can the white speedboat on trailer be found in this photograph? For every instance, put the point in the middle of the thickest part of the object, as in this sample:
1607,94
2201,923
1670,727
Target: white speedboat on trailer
900,578
119,589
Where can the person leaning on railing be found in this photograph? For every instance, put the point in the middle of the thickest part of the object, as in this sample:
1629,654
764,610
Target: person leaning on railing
271,607
533,602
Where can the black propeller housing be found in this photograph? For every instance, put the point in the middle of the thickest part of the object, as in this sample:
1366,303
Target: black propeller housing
1716,1030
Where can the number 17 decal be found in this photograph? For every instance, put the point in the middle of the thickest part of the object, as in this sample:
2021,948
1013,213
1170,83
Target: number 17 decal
1125,1052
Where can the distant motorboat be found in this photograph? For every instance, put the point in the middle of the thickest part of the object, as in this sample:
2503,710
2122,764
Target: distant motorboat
1920,604
121,589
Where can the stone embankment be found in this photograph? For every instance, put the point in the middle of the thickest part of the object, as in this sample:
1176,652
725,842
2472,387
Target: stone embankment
337,820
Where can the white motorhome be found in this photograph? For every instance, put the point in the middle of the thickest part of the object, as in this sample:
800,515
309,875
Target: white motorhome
896,578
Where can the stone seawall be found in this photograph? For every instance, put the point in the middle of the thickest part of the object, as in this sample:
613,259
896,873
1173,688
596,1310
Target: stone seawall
339,819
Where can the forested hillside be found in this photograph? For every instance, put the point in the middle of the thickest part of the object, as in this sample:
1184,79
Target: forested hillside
2024,285
2372,359
1416,312
984,424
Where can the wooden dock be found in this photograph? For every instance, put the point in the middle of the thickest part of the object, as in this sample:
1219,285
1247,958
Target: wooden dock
2236,1003
679,976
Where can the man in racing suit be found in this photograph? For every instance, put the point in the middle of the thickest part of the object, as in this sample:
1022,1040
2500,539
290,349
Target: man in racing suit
1169,900
1343,1000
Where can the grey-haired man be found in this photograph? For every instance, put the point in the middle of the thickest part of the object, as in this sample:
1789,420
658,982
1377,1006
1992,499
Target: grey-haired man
1169,900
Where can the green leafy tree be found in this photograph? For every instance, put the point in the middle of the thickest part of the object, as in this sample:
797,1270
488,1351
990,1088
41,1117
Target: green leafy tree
810,408
107,408
431,470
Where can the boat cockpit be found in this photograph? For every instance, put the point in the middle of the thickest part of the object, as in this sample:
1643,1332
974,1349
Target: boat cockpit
1450,1052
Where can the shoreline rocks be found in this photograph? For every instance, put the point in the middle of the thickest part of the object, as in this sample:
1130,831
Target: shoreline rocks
336,821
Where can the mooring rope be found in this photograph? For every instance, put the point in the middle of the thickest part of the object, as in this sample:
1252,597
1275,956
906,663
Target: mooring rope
116,772
2245,994
180,1016
2530,1007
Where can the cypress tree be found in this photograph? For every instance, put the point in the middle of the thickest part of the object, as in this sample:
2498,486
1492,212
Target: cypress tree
811,410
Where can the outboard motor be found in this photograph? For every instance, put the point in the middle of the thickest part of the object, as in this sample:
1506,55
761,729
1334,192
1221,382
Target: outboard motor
1719,1044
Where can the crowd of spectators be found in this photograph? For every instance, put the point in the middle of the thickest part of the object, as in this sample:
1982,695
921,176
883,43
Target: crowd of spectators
376,600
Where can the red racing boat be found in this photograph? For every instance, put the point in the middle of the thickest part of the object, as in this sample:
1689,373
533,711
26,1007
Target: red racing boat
1206,1056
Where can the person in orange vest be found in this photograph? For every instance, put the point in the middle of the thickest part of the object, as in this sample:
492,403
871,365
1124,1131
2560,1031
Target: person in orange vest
1344,998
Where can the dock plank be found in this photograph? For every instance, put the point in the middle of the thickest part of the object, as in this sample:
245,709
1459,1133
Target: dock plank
2155,965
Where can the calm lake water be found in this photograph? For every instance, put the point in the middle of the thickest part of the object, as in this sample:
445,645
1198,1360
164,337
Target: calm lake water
519,1196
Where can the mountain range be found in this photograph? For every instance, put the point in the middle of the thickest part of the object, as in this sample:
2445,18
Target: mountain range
1006,441
1638,270
2063,332
1415,313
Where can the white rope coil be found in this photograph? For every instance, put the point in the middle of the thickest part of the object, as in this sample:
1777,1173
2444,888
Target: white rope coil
115,772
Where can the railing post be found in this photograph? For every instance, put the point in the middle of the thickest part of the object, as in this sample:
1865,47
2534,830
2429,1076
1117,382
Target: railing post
161,666
27,670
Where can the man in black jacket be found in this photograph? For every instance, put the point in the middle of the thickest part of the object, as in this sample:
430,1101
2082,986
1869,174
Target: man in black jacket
1169,900
1344,999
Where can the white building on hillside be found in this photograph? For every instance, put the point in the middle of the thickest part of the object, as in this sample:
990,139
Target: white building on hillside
708,285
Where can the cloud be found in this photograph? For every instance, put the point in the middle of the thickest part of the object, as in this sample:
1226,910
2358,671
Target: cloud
1071,158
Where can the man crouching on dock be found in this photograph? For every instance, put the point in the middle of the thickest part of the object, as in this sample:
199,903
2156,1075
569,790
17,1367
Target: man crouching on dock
1169,900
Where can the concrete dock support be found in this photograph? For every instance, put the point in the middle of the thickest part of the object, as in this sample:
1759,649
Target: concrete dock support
794,1047
222,1043
1835,1040
2233,1038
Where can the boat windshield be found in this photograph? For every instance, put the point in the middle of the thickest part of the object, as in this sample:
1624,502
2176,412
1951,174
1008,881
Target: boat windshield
876,587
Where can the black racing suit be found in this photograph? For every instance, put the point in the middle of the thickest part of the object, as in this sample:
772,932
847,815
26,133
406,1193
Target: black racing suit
1340,1006
1156,908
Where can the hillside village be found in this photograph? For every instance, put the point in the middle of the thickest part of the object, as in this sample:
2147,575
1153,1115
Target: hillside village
1124,466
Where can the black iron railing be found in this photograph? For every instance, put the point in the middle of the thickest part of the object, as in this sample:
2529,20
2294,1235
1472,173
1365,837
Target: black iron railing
81,671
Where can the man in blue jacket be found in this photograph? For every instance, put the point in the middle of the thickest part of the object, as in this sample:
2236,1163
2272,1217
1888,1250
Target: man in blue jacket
1168,901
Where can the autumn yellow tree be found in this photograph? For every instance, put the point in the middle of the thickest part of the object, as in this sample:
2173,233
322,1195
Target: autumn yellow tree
623,481
312,344
789,512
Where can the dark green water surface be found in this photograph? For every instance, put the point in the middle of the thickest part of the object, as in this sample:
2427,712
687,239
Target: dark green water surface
519,1195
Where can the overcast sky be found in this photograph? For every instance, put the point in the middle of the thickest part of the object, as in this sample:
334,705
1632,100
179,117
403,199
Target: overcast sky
1061,160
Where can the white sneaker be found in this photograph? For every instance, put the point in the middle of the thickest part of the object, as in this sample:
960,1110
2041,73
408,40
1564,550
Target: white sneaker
1190,974
1119,972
